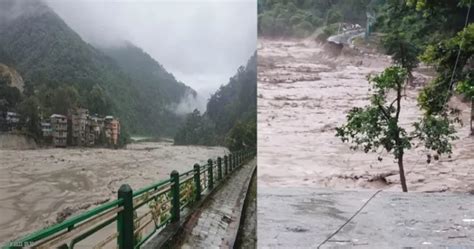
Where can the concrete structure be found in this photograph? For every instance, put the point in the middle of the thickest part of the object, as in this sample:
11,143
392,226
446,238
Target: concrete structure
13,117
59,129
304,217
112,129
46,129
79,122
217,224
96,127
12,121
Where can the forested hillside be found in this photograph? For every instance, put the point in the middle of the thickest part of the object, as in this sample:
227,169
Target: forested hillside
230,118
155,85
61,71
300,18
439,34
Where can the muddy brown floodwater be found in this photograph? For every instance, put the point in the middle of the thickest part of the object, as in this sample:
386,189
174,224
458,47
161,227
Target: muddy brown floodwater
304,94
37,185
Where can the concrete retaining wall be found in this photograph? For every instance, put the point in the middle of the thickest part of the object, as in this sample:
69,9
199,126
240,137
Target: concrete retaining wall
16,142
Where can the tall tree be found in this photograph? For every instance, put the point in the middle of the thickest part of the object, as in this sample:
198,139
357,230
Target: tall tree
378,124
452,58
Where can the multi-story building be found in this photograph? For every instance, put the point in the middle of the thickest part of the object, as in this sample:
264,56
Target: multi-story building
12,120
59,130
94,129
79,122
112,129
46,129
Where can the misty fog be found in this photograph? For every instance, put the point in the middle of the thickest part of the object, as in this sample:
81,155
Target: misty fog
201,42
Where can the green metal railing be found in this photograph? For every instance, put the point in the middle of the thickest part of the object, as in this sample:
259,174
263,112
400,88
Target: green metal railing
137,215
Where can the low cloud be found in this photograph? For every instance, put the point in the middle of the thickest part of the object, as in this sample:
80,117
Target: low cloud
201,42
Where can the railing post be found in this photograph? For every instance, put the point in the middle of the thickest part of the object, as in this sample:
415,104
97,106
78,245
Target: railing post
211,175
175,203
219,168
226,165
234,160
230,162
197,181
125,218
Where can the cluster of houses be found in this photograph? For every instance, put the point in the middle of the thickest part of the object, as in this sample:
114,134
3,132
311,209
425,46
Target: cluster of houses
78,128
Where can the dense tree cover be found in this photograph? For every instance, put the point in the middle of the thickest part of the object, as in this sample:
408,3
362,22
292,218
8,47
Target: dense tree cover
9,96
28,109
197,129
437,32
230,118
433,32
156,86
61,71
300,18
410,26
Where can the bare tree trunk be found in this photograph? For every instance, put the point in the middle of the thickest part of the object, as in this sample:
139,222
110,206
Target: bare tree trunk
402,173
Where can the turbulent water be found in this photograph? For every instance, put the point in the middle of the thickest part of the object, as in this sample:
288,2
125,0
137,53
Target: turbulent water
304,94
37,187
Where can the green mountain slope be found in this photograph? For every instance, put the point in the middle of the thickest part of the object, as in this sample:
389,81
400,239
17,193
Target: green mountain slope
231,114
50,56
154,83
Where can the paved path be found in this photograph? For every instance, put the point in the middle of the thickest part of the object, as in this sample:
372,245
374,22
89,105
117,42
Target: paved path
220,217
306,217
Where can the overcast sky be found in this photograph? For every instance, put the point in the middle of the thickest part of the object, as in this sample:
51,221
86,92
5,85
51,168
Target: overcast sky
202,42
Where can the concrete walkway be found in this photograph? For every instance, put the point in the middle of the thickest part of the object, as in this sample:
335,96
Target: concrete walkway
307,217
217,224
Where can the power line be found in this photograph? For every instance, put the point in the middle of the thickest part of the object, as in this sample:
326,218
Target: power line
451,82
459,52
349,220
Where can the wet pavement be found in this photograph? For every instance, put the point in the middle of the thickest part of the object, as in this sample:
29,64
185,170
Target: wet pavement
218,222
306,217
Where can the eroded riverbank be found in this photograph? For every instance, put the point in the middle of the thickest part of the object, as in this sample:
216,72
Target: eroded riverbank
39,187
304,94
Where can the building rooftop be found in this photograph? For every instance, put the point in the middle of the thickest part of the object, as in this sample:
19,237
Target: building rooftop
58,116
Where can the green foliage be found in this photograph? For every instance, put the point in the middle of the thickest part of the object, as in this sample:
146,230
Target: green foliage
377,125
156,89
97,100
434,32
242,136
62,70
436,133
196,130
443,57
9,96
403,51
230,118
29,112
300,18
124,137
410,26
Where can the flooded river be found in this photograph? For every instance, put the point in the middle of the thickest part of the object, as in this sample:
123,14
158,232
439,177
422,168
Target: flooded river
304,94
38,186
